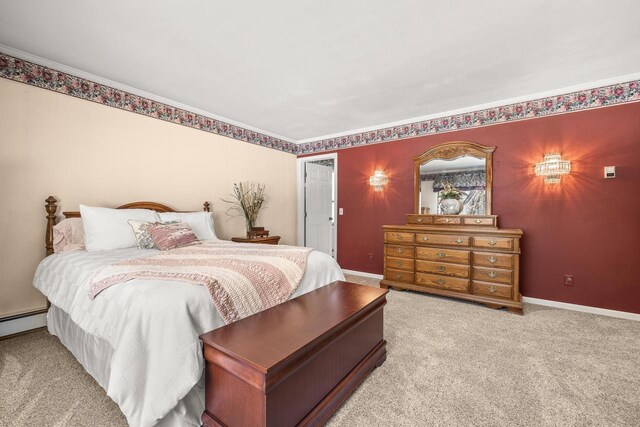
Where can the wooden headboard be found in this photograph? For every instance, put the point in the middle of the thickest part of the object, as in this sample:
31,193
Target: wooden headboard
52,206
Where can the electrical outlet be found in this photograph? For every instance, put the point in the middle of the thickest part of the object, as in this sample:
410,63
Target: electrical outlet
568,280
370,257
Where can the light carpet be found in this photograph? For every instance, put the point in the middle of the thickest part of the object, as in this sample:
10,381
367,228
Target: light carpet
449,363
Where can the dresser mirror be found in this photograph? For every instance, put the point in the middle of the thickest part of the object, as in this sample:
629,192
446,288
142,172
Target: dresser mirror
459,165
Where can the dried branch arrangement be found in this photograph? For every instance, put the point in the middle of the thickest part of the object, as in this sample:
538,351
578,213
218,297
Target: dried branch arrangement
247,200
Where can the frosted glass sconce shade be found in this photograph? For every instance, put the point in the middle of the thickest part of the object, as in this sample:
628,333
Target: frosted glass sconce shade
378,180
552,168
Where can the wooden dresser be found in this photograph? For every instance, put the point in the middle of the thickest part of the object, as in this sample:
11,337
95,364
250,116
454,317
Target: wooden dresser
466,257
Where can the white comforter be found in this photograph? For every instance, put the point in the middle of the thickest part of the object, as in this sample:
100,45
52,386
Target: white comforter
152,326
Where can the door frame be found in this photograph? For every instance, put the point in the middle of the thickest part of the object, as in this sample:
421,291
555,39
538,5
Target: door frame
300,181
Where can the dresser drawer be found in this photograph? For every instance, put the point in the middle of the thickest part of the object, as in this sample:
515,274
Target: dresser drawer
398,237
443,268
443,239
494,242
399,263
398,275
479,222
447,220
419,219
447,255
442,282
492,289
399,251
494,259
493,275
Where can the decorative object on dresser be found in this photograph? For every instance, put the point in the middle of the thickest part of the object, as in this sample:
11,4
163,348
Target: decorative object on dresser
267,240
247,200
294,364
461,256
450,203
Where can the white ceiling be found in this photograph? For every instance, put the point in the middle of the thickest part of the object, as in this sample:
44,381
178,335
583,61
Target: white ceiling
304,69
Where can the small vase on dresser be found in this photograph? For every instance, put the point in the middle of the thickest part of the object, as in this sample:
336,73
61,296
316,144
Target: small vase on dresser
451,206
465,257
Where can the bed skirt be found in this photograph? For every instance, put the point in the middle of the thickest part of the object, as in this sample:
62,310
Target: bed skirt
94,354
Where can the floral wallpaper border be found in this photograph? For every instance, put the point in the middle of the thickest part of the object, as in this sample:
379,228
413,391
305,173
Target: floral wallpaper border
572,102
44,77
47,78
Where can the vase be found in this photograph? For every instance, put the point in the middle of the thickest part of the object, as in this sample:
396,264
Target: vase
451,206
249,224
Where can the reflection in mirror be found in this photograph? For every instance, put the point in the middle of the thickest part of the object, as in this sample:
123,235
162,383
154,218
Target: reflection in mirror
466,174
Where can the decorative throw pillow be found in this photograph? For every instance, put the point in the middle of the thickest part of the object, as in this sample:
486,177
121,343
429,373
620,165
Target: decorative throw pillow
171,236
200,222
68,235
141,231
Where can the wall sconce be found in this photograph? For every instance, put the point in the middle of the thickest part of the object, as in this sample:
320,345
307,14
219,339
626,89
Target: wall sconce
378,180
552,168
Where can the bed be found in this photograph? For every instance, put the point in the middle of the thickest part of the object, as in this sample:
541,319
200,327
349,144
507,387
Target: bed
139,339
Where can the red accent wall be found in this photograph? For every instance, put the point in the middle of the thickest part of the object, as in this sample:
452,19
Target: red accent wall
587,226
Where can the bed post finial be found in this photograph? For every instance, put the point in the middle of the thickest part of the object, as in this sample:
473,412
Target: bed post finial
207,207
51,208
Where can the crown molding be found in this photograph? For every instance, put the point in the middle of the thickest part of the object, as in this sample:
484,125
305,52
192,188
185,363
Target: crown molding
69,80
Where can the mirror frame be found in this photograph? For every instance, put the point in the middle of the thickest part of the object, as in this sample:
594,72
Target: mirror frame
450,151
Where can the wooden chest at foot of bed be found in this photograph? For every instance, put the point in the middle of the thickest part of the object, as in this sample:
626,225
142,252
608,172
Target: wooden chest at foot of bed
294,364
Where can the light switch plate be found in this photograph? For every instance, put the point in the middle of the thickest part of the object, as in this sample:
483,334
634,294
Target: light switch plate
340,211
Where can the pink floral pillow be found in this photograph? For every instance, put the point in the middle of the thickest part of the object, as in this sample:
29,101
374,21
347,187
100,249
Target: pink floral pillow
68,235
171,236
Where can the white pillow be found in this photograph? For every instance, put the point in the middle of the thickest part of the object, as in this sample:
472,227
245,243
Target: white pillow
106,229
200,222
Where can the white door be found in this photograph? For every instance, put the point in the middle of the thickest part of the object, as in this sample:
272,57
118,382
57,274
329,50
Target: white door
319,219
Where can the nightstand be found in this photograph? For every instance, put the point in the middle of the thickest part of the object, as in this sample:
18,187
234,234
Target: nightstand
269,240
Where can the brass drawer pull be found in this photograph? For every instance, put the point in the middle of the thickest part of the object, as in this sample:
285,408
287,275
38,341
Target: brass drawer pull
447,220
419,219
478,221
441,254
440,282
425,238
492,242
399,250
492,274
492,289
441,268
492,259
399,263
458,241
399,237
398,276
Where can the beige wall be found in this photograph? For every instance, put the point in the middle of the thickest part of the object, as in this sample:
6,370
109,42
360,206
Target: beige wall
82,152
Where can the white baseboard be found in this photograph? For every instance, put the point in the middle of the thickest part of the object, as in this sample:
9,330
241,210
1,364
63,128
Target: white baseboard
583,308
362,273
23,324
537,301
